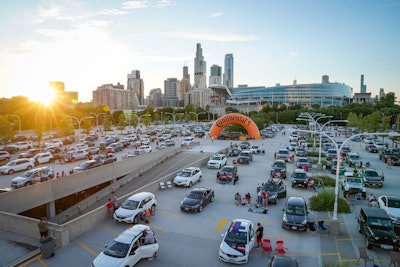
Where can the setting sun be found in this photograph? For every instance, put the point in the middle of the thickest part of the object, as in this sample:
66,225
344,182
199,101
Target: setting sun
45,96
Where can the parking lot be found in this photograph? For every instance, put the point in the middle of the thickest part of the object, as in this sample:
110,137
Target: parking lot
193,239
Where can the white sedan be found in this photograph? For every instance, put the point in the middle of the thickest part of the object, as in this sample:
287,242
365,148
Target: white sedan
217,161
188,177
391,205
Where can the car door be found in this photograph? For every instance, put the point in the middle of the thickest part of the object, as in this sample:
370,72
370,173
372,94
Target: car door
135,254
36,178
252,238
20,165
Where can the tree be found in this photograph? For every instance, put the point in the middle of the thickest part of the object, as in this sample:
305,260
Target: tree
64,126
87,126
6,130
122,122
107,124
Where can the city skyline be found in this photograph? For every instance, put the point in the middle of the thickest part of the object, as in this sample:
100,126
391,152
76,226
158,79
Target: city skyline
86,45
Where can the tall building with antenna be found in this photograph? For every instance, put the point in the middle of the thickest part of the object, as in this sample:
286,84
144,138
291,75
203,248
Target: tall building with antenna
200,79
228,71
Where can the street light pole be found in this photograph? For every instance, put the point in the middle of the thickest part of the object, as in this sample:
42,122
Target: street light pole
197,115
19,122
320,138
97,118
174,116
140,117
79,124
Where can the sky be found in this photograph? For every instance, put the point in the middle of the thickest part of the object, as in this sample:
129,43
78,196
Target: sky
87,43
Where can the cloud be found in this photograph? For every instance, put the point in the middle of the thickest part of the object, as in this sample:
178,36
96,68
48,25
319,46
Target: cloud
293,54
216,14
214,37
164,3
111,12
136,4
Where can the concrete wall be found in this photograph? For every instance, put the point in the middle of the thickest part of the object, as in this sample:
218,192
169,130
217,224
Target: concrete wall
65,232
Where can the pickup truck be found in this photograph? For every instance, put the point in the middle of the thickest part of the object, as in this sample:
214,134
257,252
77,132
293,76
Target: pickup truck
372,178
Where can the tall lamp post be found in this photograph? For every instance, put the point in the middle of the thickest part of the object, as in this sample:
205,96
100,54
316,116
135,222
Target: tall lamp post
174,116
19,122
79,124
139,118
97,118
320,137
51,123
197,115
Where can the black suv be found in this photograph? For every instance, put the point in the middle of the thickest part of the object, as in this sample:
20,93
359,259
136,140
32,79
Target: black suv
377,227
299,178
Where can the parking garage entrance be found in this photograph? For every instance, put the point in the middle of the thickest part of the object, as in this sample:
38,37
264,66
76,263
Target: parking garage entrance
235,118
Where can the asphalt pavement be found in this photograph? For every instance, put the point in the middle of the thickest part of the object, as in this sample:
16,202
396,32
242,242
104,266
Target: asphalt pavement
193,239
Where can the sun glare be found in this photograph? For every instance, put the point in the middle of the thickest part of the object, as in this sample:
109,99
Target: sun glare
44,96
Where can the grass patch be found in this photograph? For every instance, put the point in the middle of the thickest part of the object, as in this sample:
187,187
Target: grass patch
328,180
325,199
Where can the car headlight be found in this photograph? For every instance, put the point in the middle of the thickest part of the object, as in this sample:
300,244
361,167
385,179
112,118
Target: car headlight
273,196
284,219
304,221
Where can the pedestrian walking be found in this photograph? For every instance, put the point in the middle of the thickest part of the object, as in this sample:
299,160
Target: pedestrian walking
115,203
259,234
389,162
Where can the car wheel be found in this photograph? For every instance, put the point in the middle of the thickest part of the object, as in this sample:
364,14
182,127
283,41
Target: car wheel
153,210
212,198
292,185
277,200
359,228
136,219
190,184
28,183
200,208
11,171
154,255
200,178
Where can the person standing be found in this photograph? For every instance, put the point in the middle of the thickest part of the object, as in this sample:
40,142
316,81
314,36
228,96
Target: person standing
389,162
115,203
259,234
110,208
43,227
265,199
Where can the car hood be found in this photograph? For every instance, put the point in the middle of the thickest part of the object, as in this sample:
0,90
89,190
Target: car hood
235,249
121,212
383,233
272,194
355,185
372,178
181,179
212,161
103,260
19,179
394,212
191,202
298,219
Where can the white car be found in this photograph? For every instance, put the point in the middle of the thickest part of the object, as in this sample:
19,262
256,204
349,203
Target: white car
188,177
33,176
128,248
217,161
80,154
187,141
391,205
144,149
40,158
238,242
132,208
145,141
24,145
16,165
54,143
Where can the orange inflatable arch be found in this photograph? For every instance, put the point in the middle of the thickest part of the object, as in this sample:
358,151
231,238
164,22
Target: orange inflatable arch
235,118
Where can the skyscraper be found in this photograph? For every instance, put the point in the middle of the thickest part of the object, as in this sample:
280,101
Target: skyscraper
136,86
200,78
185,85
215,75
171,90
363,87
228,74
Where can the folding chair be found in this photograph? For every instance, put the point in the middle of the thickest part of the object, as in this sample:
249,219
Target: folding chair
364,256
280,248
169,184
162,185
266,245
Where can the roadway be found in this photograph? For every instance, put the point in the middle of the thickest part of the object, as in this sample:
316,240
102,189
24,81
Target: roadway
193,239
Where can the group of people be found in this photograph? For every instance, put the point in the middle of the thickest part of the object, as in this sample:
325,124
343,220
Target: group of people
243,201
112,205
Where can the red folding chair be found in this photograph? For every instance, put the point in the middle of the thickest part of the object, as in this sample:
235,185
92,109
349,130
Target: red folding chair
266,245
280,248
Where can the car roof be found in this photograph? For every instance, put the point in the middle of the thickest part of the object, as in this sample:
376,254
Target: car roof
190,169
140,195
296,200
300,171
129,235
374,212
200,189
243,223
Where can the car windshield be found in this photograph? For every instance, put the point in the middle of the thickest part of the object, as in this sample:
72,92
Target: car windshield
236,236
380,223
216,158
184,174
279,164
117,249
295,210
394,203
371,173
10,163
354,180
284,152
130,204
227,169
195,195
271,187
300,175
85,164
28,174
354,157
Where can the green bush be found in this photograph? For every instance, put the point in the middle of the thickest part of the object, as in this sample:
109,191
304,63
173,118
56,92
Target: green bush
325,199
312,154
328,181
